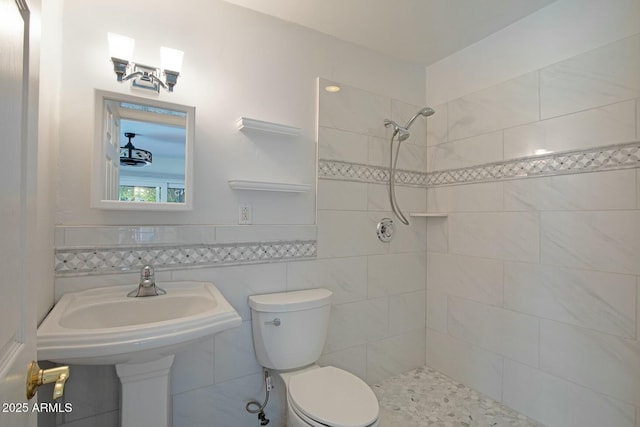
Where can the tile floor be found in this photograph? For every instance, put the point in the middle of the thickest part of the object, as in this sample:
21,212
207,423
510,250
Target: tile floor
425,397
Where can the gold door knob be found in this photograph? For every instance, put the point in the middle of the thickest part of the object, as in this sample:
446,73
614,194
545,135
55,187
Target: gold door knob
36,377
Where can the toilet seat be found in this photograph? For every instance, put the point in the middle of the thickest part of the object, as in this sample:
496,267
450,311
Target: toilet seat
329,396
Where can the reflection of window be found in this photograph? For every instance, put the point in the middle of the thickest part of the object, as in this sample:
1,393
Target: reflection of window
175,195
133,193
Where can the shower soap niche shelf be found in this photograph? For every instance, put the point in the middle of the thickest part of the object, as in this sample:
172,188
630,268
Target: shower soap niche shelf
428,215
285,187
247,124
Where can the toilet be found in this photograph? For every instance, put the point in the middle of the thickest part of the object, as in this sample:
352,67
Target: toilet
289,332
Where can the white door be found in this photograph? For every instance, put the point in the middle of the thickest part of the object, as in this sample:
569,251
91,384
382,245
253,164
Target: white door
17,216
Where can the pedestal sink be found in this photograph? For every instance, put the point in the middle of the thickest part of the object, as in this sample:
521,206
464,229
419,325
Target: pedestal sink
139,335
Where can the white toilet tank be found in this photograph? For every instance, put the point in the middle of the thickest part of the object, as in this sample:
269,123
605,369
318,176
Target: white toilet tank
290,328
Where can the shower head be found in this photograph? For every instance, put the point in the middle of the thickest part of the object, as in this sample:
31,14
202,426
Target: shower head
398,130
403,134
426,112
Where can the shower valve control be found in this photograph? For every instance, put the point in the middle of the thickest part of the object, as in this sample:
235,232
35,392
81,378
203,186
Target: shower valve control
385,230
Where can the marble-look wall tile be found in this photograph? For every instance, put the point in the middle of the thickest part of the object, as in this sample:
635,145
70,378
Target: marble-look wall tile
608,125
97,236
238,282
222,405
484,197
466,152
638,308
411,238
234,354
504,235
588,191
638,118
602,362
505,332
512,103
437,126
407,312
410,199
92,390
638,178
193,366
356,323
354,110
345,277
342,195
467,363
264,233
410,157
352,359
395,355
557,402
607,241
335,144
437,234
396,273
436,311
474,278
344,233
401,112
107,419
601,301
601,76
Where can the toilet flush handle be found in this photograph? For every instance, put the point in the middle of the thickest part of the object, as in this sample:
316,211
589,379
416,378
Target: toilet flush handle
274,322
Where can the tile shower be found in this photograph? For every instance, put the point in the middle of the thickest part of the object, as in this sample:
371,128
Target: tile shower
526,286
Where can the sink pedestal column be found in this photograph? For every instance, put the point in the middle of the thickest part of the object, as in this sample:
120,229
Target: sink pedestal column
145,396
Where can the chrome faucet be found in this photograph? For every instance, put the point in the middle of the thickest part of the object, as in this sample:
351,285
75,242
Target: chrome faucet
147,286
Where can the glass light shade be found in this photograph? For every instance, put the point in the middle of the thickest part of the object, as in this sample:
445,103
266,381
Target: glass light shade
120,47
171,59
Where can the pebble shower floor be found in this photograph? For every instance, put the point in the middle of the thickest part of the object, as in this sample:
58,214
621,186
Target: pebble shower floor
426,398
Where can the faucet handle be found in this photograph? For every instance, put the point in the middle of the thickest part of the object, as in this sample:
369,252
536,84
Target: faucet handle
147,273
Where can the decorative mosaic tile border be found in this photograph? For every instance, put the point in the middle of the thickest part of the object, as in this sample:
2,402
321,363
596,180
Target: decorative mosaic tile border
123,259
335,169
619,156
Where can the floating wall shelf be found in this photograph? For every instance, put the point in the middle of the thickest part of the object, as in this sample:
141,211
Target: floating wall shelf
428,215
237,184
245,123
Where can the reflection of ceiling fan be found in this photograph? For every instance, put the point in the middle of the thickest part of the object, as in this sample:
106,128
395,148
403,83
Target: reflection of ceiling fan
132,156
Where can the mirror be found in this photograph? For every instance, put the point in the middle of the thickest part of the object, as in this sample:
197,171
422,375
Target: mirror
142,154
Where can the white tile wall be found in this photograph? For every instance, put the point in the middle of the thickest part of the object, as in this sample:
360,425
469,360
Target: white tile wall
357,323
352,359
512,103
395,355
335,144
345,277
607,240
506,235
467,198
505,332
342,195
600,301
612,124
557,402
407,312
396,273
470,151
602,362
599,77
193,366
478,279
437,126
479,369
588,191
553,295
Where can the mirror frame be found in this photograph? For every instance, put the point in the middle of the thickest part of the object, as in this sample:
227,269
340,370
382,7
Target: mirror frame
98,171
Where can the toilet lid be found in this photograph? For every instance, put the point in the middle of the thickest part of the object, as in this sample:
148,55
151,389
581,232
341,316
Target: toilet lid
334,397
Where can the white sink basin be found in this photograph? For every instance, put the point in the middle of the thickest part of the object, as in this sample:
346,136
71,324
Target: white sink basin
104,326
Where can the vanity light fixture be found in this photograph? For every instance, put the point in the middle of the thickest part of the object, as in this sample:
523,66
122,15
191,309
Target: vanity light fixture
132,156
145,77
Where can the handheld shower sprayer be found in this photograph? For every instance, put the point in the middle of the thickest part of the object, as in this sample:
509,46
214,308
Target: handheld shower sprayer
403,134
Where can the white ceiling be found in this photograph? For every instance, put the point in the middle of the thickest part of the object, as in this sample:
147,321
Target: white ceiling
416,31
